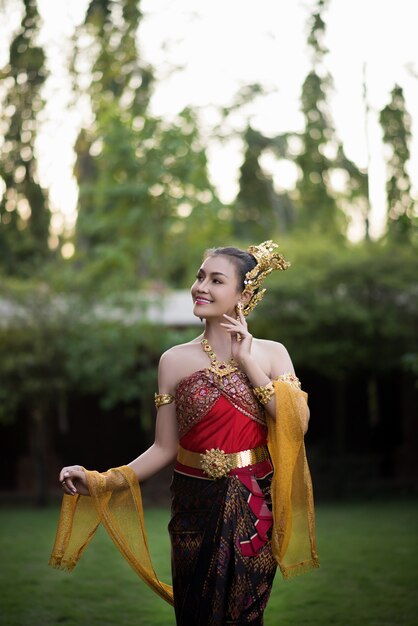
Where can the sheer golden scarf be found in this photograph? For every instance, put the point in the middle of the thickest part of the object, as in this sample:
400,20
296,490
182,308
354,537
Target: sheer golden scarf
116,503
293,538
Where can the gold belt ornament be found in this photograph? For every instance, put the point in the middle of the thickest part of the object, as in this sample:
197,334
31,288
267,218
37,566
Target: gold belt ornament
216,463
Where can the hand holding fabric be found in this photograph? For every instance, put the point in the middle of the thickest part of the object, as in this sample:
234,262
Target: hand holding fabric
73,480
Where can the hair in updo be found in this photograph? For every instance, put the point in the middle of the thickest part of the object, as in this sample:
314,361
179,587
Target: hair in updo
244,261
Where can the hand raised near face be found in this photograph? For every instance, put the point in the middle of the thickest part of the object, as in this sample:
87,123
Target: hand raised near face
241,338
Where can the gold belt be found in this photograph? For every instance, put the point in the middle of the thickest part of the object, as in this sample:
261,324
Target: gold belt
216,463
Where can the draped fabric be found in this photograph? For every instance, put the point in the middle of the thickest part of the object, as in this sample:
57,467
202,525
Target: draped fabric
116,499
116,503
294,538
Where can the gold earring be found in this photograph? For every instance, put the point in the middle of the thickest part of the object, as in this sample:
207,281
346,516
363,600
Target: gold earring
239,309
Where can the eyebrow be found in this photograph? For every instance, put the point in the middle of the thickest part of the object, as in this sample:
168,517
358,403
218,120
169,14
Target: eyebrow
202,271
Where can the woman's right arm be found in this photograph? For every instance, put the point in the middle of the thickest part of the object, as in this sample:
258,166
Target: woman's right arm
162,452
164,449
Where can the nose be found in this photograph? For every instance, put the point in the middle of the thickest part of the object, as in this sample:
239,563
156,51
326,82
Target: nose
202,286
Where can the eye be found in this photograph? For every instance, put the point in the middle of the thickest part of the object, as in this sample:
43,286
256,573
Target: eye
216,280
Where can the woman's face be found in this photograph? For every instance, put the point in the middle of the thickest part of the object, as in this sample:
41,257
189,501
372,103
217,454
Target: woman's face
215,290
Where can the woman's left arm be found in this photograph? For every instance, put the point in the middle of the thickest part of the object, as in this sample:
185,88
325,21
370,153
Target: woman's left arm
281,366
277,356
280,363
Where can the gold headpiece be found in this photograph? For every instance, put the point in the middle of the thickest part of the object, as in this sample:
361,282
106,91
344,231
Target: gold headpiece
267,261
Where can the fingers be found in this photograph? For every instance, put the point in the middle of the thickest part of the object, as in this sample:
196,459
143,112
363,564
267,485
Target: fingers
238,319
68,469
236,322
235,326
68,488
241,316
68,476
233,329
242,319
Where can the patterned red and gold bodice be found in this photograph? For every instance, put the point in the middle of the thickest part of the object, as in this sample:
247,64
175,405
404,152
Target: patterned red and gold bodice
219,412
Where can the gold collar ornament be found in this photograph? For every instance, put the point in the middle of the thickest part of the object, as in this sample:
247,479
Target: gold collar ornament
220,368
267,261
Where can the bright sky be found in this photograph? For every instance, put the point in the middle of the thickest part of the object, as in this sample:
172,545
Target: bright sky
221,45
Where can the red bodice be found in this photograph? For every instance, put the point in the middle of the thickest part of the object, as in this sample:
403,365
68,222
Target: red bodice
219,412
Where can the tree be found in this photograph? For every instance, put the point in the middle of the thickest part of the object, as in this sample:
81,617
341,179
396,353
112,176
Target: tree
259,208
396,124
33,369
316,204
144,187
24,214
319,206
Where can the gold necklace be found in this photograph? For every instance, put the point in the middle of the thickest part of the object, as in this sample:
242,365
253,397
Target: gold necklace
220,368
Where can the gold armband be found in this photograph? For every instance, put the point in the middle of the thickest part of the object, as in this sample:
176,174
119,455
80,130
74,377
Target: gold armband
162,398
264,393
291,379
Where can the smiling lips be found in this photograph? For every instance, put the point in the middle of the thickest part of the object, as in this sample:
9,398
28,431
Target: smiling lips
202,301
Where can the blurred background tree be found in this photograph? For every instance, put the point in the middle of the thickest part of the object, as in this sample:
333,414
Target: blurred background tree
144,186
316,204
24,212
260,209
330,188
34,380
396,124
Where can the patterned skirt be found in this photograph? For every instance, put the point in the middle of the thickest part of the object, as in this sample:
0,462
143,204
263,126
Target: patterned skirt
222,564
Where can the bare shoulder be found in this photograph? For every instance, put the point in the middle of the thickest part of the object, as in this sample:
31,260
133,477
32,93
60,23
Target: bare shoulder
178,362
182,350
271,347
277,355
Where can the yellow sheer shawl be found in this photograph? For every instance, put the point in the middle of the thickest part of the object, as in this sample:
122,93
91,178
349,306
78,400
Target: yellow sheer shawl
293,538
116,503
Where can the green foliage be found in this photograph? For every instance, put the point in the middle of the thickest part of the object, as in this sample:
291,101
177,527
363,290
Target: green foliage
24,215
150,208
117,360
344,309
52,345
146,205
316,204
259,208
319,207
337,309
396,124
32,349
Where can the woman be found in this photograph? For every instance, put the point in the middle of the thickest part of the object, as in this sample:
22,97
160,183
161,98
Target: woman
222,399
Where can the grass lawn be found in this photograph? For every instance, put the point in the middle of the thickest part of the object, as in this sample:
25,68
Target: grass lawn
368,573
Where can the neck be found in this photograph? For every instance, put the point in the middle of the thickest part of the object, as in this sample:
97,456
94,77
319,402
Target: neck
218,338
